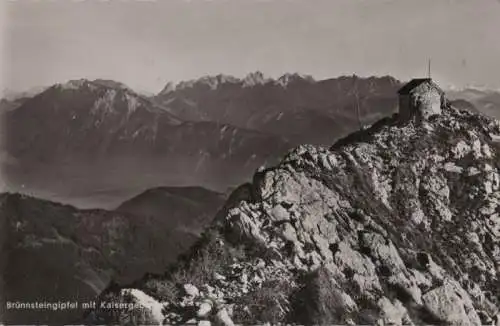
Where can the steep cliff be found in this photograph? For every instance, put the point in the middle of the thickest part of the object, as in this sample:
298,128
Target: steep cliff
395,224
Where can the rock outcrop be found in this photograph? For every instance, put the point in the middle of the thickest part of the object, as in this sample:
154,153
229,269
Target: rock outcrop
397,224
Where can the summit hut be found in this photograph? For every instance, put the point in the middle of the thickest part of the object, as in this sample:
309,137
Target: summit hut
420,97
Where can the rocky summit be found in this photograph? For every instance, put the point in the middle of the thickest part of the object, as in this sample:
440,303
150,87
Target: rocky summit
395,224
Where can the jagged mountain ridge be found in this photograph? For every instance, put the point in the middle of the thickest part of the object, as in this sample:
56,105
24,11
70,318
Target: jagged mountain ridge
295,106
397,224
99,138
54,252
250,80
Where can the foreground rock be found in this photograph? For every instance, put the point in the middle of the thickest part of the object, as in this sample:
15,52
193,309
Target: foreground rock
396,224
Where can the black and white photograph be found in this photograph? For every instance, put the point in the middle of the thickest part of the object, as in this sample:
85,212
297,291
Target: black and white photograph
250,162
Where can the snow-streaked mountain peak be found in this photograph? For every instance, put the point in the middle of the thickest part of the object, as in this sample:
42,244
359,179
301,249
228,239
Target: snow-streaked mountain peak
288,78
213,82
255,78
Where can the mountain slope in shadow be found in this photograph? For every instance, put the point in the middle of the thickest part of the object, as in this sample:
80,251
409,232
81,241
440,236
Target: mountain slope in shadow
52,252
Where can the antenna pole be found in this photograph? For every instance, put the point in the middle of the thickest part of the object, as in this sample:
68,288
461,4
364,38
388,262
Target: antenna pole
429,69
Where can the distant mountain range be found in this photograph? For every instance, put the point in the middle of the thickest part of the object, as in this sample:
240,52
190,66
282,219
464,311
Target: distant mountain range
96,143
92,140
294,106
484,101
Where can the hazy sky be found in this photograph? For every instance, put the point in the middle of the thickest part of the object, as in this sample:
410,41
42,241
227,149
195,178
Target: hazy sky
145,43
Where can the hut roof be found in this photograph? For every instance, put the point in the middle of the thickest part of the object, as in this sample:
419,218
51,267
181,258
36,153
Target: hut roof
406,89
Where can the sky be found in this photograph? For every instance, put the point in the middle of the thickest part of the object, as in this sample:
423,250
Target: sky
147,43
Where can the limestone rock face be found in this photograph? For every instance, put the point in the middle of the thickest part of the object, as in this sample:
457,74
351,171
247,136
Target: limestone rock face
450,303
427,100
397,224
